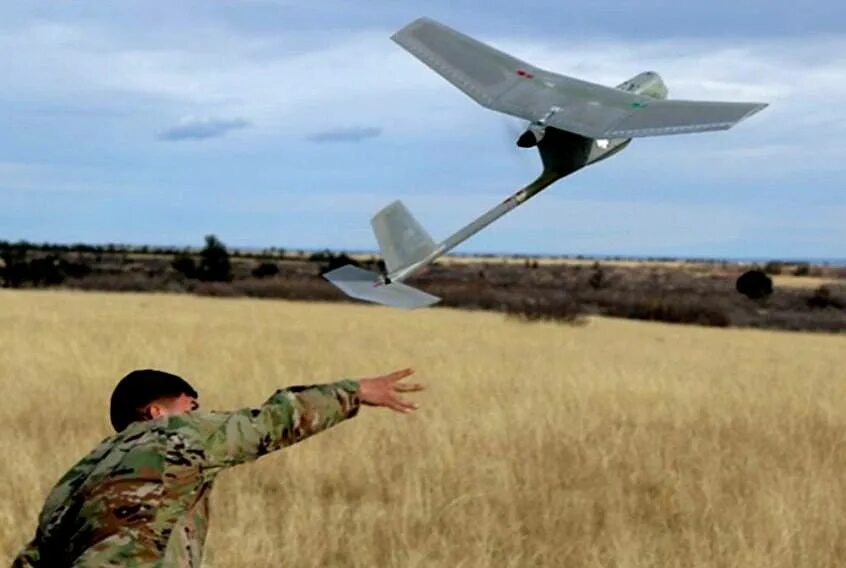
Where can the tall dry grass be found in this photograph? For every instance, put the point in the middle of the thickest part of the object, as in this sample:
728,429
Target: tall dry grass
616,443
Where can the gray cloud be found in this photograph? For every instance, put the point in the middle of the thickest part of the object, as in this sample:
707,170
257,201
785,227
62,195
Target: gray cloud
192,128
354,134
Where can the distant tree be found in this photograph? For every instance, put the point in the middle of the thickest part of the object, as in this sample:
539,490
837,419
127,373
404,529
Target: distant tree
15,275
15,268
265,269
823,298
185,265
754,284
214,261
597,279
82,247
802,269
45,271
74,269
322,256
773,267
273,251
337,262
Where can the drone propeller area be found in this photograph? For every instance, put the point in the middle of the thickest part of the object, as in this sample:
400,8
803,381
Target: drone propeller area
573,124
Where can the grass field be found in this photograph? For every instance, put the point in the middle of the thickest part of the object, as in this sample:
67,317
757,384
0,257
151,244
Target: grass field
615,443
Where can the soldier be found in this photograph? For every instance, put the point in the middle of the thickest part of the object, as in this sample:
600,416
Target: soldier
140,498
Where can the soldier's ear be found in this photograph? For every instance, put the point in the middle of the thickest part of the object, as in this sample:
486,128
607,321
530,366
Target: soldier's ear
155,410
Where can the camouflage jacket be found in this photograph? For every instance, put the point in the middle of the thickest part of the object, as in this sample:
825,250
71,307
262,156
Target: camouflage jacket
140,499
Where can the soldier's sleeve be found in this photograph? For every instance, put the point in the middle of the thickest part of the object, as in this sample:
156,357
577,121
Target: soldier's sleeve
28,557
287,417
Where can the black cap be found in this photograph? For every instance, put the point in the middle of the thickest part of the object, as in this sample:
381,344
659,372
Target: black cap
138,389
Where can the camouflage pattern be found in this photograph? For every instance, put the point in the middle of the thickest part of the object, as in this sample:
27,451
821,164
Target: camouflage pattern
140,499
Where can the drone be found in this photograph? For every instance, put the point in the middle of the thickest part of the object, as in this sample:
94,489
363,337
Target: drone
572,123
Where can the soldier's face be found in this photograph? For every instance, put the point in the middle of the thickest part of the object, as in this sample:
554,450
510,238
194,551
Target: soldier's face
183,404
172,406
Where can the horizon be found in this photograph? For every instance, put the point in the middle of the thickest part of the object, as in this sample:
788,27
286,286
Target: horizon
827,261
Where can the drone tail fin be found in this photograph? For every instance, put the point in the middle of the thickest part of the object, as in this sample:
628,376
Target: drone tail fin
401,239
365,285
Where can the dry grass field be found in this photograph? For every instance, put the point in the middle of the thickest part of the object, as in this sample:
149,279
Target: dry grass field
615,443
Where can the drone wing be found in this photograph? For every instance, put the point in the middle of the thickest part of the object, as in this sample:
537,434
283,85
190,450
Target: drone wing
506,84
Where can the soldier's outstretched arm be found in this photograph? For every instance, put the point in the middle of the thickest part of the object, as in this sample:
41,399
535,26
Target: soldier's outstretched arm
295,413
28,557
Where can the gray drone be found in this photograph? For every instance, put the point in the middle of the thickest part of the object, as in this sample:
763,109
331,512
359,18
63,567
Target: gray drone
573,123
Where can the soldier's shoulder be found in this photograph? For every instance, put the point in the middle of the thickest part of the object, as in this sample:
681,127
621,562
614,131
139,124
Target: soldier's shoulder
82,468
199,423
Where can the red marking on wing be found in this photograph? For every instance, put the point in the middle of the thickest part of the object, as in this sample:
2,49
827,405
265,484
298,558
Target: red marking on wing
525,74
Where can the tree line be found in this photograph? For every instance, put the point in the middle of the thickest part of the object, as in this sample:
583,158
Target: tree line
27,264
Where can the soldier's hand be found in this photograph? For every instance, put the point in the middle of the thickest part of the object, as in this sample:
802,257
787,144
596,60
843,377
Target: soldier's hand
382,391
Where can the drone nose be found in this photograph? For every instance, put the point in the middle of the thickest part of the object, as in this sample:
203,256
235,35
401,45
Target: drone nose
527,140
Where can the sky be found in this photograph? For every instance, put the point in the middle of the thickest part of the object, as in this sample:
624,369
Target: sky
275,123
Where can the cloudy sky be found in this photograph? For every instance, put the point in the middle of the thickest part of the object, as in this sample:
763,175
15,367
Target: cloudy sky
289,123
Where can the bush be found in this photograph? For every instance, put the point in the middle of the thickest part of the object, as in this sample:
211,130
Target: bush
823,298
74,269
45,271
802,269
774,267
754,284
126,282
562,309
690,310
288,288
14,274
597,279
337,262
15,269
214,262
185,265
322,256
265,269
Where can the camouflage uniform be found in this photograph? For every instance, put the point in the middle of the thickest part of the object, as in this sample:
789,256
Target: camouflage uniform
140,499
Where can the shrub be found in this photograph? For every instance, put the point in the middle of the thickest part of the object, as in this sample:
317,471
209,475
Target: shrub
126,282
285,288
14,274
773,267
754,284
214,262
47,270
337,262
802,269
265,269
597,279
690,310
823,298
185,265
562,309
74,269
321,256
